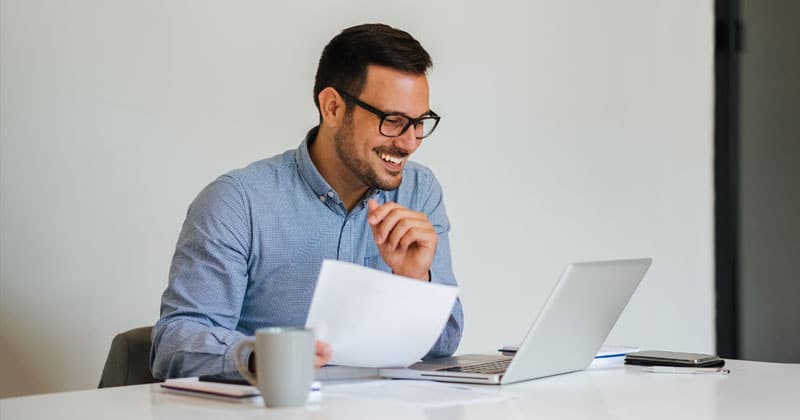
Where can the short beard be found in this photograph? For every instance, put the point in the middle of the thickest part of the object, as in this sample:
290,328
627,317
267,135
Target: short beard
344,143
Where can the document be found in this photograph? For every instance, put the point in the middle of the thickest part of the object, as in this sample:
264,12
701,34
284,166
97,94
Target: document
376,319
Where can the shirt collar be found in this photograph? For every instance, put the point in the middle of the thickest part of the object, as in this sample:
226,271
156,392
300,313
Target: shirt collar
306,168
308,171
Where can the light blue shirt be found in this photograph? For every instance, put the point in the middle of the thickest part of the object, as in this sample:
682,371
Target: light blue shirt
250,251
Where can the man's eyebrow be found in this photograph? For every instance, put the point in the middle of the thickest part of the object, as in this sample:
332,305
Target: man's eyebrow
424,114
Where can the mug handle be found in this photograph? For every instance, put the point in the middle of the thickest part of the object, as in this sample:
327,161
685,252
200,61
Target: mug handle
244,369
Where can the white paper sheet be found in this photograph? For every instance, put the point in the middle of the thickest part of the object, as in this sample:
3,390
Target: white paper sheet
376,319
419,393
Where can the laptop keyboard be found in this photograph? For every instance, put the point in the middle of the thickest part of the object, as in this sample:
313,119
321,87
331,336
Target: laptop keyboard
488,368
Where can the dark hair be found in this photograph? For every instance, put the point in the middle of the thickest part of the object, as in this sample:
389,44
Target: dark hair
344,60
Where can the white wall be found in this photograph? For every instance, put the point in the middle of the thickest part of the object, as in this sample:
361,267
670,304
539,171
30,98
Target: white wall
572,130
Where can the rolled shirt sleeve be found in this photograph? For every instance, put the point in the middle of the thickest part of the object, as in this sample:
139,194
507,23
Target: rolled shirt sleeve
442,270
207,282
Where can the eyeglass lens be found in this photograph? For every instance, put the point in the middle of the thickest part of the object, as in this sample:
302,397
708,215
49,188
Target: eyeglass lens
394,125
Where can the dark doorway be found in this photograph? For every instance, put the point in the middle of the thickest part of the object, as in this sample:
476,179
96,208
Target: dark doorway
757,179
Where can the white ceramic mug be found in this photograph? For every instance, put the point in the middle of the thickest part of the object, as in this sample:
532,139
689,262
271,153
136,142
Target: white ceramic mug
284,364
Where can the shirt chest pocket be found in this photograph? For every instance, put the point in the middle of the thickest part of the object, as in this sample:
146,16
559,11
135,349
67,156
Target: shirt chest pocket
376,262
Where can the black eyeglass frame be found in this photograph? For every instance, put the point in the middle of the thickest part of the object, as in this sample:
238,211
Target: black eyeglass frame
383,115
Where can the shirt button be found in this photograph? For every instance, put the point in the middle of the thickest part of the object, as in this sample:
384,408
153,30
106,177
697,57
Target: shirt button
330,194
322,198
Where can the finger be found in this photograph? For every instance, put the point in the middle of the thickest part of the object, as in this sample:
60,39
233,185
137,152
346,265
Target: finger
320,362
423,237
397,223
323,348
395,215
404,227
323,351
378,212
372,204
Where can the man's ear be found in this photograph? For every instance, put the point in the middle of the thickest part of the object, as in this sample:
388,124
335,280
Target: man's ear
331,107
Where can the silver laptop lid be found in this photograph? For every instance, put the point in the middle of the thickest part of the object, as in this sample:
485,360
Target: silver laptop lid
577,318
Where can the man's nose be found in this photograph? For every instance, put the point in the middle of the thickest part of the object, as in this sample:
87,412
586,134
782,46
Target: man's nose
408,140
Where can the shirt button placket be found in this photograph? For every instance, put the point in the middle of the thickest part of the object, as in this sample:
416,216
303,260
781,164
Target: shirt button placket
345,249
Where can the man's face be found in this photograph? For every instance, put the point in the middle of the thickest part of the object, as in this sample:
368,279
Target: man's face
373,159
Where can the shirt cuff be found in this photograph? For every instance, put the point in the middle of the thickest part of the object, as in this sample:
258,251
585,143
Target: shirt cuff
229,360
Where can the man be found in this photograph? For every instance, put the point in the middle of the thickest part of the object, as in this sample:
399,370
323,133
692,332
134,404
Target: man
252,245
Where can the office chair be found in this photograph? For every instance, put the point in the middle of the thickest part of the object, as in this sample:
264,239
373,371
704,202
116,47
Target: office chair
128,361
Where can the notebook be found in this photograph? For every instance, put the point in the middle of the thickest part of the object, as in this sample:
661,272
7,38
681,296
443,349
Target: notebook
211,388
565,336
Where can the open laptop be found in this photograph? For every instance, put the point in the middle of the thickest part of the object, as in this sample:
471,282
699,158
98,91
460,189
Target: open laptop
564,337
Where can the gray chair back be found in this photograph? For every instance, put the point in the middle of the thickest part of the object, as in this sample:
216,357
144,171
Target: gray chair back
128,361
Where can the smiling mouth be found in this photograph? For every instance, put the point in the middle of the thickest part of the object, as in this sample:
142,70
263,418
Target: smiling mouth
396,160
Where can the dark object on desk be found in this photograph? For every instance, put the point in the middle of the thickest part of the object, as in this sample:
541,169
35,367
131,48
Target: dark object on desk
128,361
671,358
214,389
223,380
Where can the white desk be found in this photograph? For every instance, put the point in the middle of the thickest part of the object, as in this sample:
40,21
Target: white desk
753,390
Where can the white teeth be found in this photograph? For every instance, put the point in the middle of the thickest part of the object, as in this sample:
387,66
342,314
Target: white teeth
391,159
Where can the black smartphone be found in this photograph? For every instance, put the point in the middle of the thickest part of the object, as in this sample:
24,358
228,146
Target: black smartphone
672,358
223,379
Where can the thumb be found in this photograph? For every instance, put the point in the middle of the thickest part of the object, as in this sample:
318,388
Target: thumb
372,204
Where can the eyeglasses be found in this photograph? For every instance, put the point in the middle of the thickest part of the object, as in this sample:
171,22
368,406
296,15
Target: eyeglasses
394,124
